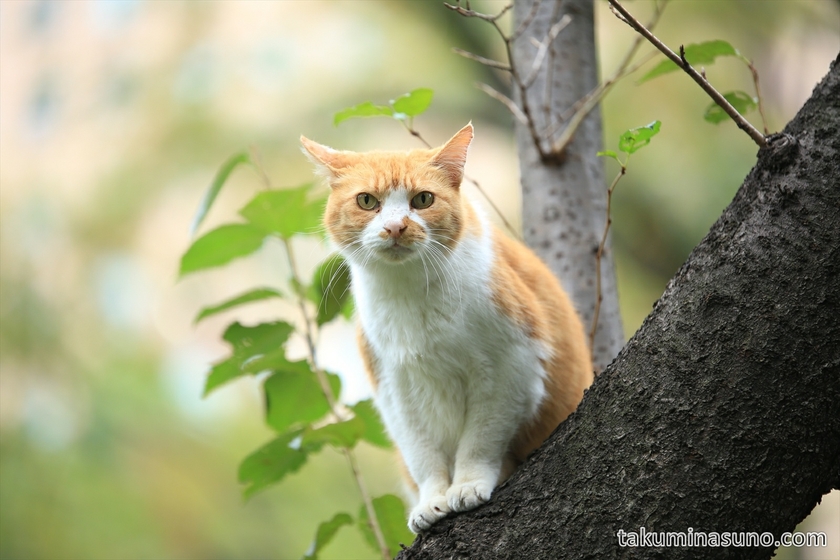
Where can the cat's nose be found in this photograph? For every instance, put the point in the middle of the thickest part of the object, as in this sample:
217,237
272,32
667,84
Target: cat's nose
395,229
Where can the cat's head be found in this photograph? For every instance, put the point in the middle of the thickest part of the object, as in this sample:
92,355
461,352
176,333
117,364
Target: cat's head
394,207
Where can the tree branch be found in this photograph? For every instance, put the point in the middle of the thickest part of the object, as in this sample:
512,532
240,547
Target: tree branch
505,100
480,59
543,46
680,61
591,100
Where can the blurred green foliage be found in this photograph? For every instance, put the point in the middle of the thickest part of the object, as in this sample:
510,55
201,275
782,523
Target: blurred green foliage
115,116
302,401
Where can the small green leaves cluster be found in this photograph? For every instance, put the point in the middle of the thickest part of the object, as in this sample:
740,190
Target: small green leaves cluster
404,108
281,213
704,54
633,140
300,399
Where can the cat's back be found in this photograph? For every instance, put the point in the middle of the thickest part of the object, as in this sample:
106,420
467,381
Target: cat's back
526,290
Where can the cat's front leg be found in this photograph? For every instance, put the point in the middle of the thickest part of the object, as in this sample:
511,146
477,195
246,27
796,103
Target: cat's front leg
481,454
476,475
432,477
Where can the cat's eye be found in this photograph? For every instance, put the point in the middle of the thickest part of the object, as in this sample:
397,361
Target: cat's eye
367,201
422,200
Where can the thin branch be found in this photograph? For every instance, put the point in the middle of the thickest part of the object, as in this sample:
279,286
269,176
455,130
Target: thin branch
321,376
599,255
600,91
495,208
548,82
591,100
680,61
523,25
467,12
754,73
505,100
517,80
542,49
480,59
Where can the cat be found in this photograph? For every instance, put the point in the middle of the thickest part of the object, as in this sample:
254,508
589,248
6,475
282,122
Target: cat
474,351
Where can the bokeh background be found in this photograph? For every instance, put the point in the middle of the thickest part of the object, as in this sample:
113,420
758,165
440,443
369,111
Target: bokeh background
114,116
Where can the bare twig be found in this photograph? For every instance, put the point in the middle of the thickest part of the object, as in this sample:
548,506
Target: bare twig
495,208
543,46
599,255
680,61
754,73
321,376
480,59
467,12
526,21
591,100
505,100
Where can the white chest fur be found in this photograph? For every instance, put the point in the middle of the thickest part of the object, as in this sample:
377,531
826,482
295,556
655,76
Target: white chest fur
446,356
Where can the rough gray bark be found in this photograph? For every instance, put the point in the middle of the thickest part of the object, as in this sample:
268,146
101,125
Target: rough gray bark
564,200
722,413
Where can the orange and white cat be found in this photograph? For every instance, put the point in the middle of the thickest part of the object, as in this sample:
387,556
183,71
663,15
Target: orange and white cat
474,350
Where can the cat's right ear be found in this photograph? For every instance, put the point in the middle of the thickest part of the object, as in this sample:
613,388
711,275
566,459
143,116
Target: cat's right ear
328,162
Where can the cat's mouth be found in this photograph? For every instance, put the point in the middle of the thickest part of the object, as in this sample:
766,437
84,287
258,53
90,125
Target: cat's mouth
397,252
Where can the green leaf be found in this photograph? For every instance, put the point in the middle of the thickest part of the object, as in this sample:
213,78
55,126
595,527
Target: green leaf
293,395
326,532
637,138
254,295
330,288
340,434
249,343
696,54
390,512
374,430
220,246
366,109
414,103
259,339
741,100
222,372
271,463
609,154
286,212
218,182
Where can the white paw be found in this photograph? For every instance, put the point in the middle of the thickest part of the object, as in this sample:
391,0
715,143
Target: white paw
427,514
469,495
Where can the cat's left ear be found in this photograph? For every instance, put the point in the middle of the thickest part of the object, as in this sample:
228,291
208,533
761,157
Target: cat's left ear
328,162
453,155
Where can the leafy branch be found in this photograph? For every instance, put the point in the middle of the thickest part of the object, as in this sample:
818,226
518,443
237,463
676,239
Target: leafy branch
323,381
681,61
570,122
301,399
629,143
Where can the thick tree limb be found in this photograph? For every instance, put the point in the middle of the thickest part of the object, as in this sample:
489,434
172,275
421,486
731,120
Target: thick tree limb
723,412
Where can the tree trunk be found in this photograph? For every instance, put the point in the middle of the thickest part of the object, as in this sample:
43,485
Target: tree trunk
564,199
722,413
